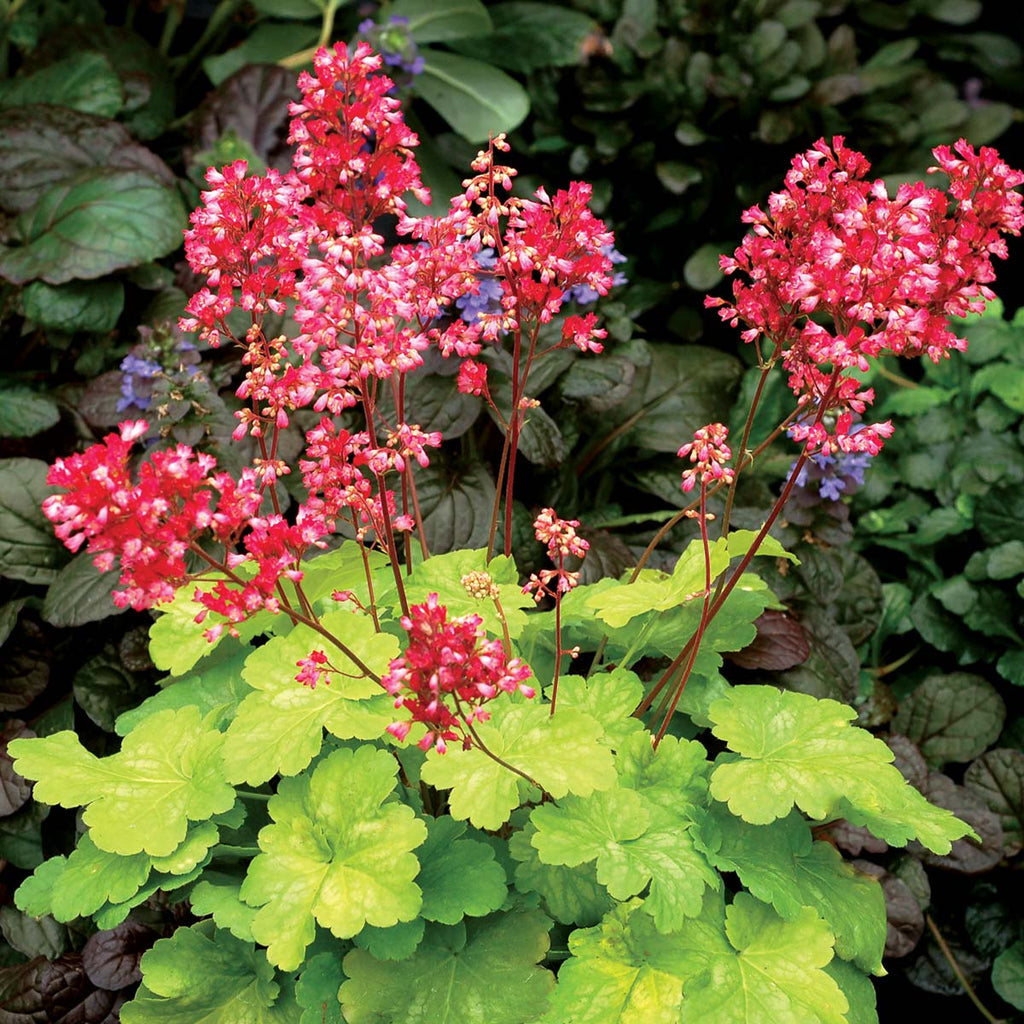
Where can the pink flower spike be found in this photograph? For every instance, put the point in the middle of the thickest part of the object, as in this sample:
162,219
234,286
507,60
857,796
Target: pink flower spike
709,452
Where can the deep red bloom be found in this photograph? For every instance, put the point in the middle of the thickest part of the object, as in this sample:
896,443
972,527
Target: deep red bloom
878,274
448,673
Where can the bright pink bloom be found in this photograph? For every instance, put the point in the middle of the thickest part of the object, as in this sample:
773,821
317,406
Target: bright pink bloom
314,668
563,542
709,453
472,378
448,673
582,332
884,273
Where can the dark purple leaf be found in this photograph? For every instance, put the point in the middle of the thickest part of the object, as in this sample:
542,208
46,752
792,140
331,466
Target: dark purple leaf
43,145
952,717
853,839
967,855
998,778
98,404
57,992
25,669
992,919
252,103
931,970
14,790
111,958
608,556
908,759
133,649
832,668
780,643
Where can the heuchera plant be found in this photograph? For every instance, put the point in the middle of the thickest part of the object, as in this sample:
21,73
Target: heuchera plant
389,791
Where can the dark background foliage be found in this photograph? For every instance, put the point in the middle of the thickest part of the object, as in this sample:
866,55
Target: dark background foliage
908,602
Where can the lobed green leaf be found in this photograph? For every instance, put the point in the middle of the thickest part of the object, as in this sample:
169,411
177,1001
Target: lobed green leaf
141,799
793,749
336,854
484,973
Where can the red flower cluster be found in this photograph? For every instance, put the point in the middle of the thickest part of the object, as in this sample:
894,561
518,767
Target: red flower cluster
839,272
304,242
563,542
709,452
148,524
449,661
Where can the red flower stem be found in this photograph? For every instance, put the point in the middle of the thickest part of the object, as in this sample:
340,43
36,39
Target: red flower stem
417,514
389,533
484,749
369,585
704,618
558,638
504,627
746,459
296,617
741,462
398,393
735,575
496,512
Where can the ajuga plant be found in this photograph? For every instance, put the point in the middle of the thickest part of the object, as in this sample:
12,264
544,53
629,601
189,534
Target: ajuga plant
397,786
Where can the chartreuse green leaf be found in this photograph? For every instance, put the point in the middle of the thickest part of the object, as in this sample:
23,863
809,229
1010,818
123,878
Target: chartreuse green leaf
474,973
781,864
200,839
217,896
177,642
673,778
35,895
659,591
395,943
167,773
201,975
615,975
279,727
610,697
459,876
570,895
737,965
857,988
443,574
336,854
640,836
88,879
92,881
217,692
344,568
112,914
654,590
561,752
791,748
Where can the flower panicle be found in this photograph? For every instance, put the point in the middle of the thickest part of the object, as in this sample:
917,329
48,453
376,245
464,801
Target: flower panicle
448,674
887,271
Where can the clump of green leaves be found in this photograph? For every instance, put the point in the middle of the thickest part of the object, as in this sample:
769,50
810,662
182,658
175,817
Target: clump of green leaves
357,868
